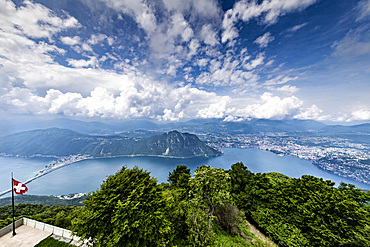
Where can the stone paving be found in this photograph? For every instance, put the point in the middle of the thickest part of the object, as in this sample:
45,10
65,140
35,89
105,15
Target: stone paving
26,237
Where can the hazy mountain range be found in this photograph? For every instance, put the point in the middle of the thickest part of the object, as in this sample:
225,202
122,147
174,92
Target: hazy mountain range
64,142
62,137
253,126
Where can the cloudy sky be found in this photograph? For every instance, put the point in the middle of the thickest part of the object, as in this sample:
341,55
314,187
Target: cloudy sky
175,60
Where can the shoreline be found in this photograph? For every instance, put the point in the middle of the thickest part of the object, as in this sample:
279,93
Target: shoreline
69,160
65,161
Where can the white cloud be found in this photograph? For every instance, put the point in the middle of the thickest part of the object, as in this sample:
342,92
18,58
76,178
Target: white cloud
71,40
353,44
297,27
93,62
208,35
33,20
180,27
312,112
15,48
229,32
215,110
270,62
256,62
96,38
271,107
86,47
361,114
263,40
139,10
364,10
269,10
205,8
193,47
202,62
288,89
281,79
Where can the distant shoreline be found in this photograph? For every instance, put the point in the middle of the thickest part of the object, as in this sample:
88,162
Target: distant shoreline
69,160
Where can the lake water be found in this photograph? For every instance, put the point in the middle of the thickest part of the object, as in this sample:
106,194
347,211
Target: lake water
87,175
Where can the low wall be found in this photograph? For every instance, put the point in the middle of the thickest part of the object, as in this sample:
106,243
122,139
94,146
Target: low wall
49,228
64,233
9,228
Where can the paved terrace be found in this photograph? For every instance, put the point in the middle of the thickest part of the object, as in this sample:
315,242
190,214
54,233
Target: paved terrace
31,232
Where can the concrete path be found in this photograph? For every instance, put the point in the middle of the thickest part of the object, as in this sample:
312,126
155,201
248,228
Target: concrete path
26,237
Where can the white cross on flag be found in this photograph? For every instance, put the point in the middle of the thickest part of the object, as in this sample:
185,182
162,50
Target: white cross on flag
19,188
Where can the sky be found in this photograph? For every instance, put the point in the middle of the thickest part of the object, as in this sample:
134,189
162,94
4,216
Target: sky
176,60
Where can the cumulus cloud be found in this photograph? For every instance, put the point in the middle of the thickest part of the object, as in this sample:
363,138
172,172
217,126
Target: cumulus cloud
215,110
271,107
313,112
263,40
93,62
183,35
362,114
70,40
208,35
96,39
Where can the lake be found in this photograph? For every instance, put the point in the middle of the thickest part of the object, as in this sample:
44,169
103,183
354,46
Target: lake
87,175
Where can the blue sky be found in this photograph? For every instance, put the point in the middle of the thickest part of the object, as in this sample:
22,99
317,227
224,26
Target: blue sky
175,60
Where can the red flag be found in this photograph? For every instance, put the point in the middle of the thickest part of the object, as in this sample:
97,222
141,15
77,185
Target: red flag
19,188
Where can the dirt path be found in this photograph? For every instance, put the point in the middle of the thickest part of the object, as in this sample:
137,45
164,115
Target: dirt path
259,235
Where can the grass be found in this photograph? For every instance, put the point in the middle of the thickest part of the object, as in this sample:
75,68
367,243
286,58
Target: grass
51,242
223,238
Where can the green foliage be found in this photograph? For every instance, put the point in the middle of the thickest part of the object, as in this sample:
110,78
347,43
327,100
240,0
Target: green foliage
127,210
63,142
8,221
177,215
199,224
54,215
180,176
208,188
358,195
130,209
223,238
43,200
307,211
49,241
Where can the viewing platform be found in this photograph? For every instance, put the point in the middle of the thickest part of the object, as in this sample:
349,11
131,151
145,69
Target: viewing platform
31,232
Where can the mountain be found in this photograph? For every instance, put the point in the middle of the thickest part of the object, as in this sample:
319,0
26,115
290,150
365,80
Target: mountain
63,142
178,144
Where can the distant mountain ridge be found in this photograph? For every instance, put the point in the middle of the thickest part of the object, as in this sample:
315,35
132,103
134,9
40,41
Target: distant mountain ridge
211,125
64,142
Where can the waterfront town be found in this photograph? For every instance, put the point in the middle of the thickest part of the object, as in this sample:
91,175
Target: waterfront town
336,155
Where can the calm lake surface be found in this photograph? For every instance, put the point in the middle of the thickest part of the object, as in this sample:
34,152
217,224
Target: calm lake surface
87,175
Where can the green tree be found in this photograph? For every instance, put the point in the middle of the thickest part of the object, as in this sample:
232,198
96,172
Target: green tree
208,188
179,177
127,210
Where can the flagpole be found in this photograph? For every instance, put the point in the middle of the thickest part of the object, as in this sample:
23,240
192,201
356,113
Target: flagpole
13,205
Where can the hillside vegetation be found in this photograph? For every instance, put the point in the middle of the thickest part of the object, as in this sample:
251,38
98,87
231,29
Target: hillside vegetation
63,142
211,208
